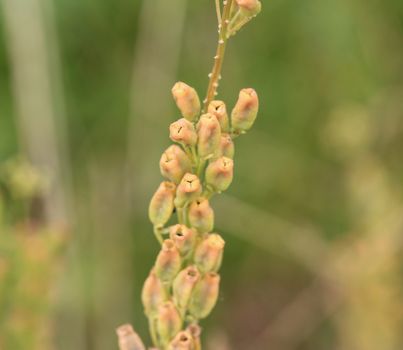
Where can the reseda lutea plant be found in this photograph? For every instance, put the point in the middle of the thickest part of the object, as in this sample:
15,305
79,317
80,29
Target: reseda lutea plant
183,286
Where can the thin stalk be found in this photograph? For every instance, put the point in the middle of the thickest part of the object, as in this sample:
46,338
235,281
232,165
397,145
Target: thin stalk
180,215
215,74
153,331
218,10
158,235
200,167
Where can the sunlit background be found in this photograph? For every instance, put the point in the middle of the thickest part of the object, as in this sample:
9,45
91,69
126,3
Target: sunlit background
313,221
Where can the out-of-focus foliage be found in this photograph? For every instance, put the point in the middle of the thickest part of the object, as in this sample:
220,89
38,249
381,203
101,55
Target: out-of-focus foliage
313,220
29,256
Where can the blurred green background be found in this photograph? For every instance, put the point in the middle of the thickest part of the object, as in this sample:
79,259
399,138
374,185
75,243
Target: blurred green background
314,218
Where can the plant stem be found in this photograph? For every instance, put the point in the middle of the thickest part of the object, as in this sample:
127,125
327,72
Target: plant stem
153,332
215,74
180,215
158,235
218,10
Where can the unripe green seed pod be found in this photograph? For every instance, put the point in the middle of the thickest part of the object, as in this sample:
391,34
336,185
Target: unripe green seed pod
182,341
183,237
174,163
201,215
209,134
245,111
168,261
219,174
187,100
205,295
168,322
129,339
162,204
226,147
153,294
209,253
249,7
183,132
188,190
219,110
183,286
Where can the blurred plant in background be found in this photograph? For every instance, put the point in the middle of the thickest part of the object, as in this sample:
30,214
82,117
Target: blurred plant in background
367,272
29,255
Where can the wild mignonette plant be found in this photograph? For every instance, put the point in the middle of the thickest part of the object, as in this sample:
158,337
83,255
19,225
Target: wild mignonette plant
183,286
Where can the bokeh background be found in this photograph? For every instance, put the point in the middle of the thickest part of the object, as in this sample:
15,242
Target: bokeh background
314,218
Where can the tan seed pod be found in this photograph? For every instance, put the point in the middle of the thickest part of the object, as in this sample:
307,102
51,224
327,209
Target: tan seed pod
209,253
205,295
174,163
162,204
168,322
245,111
129,339
219,174
226,147
201,215
182,341
209,135
188,189
168,261
183,286
219,110
187,100
153,294
183,237
249,7
183,132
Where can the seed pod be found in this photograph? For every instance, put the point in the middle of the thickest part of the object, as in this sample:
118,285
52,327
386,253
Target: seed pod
174,163
209,134
245,111
162,204
183,132
195,330
187,100
168,261
182,341
205,295
153,294
168,322
183,286
188,190
226,147
129,339
209,253
219,110
219,174
249,7
201,215
183,237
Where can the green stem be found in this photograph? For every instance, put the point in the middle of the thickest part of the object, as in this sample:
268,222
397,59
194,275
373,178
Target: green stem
215,75
179,212
158,234
186,215
237,23
200,167
153,332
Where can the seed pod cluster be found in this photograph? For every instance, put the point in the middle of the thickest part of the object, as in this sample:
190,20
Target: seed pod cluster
183,285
